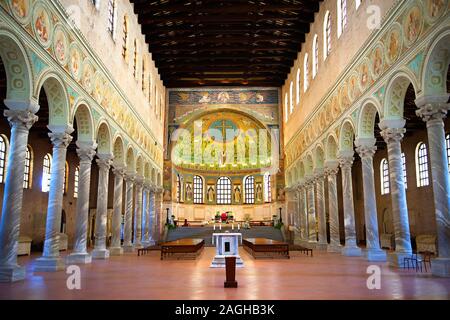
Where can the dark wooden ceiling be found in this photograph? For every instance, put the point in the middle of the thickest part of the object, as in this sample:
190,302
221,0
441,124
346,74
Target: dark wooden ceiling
232,42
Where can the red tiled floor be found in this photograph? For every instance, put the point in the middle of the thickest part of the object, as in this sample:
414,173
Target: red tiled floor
326,276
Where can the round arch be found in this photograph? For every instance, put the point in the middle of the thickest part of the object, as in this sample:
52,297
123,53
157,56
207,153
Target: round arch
118,151
130,159
346,136
85,124
395,94
57,96
331,147
19,81
366,120
104,139
435,69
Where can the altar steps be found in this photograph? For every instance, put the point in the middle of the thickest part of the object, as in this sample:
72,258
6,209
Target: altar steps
205,233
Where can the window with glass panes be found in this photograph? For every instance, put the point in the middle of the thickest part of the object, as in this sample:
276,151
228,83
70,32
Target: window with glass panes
249,185
223,191
198,189
422,165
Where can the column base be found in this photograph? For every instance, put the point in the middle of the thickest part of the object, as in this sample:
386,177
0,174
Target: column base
100,254
336,248
12,273
440,267
351,251
78,258
375,255
128,248
395,259
115,251
49,264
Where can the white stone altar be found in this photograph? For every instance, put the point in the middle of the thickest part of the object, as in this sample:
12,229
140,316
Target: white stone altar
227,245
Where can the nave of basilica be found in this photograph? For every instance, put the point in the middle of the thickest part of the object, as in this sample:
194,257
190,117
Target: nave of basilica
131,125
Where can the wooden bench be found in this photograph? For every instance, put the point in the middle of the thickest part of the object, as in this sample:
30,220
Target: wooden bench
261,248
182,249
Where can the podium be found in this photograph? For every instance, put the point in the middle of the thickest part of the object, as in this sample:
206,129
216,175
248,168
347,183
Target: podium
227,245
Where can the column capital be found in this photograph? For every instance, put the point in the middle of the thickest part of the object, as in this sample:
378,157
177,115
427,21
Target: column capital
118,171
86,152
393,134
366,151
319,174
346,160
432,111
332,169
104,163
60,139
22,105
129,176
23,118
139,180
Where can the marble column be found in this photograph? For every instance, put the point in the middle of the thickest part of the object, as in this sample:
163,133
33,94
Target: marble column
158,214
312,233
433,111
51,260
80,255
101,216
366,150
20,122
116,249
393,137
138,183
152,217
144,222
304,213
350,249
129,182
331,170
320,200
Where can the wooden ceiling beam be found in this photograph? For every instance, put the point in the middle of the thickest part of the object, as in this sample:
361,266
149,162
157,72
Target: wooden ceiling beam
218,7
203,49
234,39
156,31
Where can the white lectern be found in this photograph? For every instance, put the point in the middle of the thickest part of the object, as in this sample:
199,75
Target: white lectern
226,245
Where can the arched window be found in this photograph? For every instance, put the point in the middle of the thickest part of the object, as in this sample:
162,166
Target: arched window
326,35
249,185
384,174
305,73
404,170
178,188
27,169
342,16
447,139
286,107
111,16
357,3
422,165
198,189
150,89
135,59
297,86
291,97
223,190
3,144
125,38
267,188
46,173
315,51
75,182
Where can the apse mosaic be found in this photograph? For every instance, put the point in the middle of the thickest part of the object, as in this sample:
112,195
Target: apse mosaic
223,96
